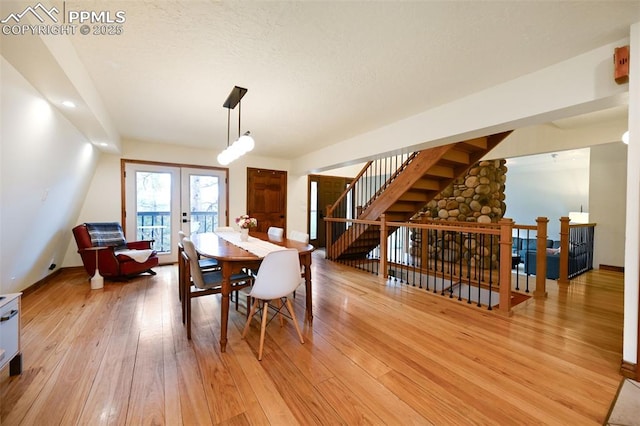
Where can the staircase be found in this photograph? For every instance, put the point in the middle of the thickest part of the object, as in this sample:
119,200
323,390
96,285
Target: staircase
399,192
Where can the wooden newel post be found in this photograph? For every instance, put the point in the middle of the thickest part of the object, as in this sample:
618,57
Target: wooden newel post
564,251
328,232
506,230
541,258
383,246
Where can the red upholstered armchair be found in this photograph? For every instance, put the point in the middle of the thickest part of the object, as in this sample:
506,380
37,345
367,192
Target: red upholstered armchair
120,259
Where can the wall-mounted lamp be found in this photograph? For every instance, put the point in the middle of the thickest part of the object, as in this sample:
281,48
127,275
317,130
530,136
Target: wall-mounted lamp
244,143
625,137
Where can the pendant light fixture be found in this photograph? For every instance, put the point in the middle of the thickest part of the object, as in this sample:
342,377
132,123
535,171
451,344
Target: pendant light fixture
244,143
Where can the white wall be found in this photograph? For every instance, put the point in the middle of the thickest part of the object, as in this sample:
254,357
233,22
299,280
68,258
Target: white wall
541,186
46,167
631,347
607,202
549,138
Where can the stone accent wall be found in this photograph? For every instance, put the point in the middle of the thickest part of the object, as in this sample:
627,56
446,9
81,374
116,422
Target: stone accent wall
476,197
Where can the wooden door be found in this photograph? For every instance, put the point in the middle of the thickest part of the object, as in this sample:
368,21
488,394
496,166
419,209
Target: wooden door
267,197
324,190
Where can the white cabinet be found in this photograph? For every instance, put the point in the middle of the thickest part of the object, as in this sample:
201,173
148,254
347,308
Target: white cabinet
10,333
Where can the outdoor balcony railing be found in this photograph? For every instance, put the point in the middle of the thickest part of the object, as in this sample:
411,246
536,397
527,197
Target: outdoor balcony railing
157,226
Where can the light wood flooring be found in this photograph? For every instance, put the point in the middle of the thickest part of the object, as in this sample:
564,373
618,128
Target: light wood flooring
377,353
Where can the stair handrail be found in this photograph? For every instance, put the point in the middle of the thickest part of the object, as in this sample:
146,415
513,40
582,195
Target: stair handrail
392,177
376,193
349,187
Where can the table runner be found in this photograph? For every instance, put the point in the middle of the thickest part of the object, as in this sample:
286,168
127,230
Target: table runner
254,245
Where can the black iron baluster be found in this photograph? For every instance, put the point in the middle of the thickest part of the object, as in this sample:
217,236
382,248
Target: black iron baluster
526,261
515,255
491,242
460,263
470,239
426,263
482,267
450,261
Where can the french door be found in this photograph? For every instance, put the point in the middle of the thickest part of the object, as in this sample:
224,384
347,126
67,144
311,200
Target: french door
161,200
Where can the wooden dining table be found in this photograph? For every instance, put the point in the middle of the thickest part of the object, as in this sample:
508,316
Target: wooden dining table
233,258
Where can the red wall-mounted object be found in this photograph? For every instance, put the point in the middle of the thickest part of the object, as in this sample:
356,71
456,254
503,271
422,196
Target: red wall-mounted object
621,64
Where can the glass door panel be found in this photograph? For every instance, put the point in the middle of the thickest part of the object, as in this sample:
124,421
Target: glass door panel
203,200
152,206
153,209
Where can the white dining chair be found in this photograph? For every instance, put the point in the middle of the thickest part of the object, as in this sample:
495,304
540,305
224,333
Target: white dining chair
278,276
275,232
299,236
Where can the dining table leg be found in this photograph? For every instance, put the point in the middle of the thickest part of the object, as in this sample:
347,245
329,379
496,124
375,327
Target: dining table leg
306,260
224,311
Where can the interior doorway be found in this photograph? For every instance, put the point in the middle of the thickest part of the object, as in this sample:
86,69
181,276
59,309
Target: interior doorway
322,192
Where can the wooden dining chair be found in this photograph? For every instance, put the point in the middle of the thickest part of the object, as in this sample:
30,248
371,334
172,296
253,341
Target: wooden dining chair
203,282
205,264
278,276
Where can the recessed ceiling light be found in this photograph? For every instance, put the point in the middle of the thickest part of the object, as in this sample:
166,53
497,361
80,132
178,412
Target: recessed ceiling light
69,104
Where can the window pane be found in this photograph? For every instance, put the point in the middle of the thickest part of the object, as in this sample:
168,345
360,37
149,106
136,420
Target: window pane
313,211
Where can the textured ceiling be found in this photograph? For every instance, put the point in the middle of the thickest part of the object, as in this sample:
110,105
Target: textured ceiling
320,72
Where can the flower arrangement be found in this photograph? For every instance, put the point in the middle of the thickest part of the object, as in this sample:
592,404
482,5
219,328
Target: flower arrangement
246,222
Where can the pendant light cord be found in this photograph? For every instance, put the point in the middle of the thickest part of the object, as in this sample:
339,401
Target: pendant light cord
228,124
239,116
